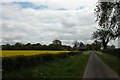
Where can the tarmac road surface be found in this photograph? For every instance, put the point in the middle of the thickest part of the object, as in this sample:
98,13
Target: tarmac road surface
96,68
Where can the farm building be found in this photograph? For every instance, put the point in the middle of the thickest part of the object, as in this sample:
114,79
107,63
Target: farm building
81,46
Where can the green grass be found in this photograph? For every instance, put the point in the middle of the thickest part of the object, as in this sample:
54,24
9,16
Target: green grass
110,60
72,67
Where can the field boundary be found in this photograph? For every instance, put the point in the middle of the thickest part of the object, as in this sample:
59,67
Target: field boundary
18,62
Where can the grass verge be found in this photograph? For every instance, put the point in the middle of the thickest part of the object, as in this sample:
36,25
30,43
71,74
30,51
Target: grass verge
71,67
110,60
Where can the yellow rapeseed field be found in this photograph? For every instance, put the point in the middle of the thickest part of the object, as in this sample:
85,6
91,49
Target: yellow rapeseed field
9,53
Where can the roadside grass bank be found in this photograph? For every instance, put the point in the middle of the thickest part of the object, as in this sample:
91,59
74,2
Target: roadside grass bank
71,67
111,60
113,52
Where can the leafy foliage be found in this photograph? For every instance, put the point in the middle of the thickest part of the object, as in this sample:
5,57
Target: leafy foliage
37,46
108,16
104,36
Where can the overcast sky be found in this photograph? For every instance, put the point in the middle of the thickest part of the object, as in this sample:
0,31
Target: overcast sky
47,20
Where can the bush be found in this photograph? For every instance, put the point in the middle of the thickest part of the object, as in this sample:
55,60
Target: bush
115,52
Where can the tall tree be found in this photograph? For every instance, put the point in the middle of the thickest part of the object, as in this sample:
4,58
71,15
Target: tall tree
76,44
57,42
103,35
108,16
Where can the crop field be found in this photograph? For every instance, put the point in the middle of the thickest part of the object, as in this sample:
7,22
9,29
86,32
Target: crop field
10,53
71,66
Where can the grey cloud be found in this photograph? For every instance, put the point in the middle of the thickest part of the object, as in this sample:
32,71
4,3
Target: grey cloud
12,39
45,26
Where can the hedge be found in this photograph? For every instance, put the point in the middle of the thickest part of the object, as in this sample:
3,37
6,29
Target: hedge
18,62
115,52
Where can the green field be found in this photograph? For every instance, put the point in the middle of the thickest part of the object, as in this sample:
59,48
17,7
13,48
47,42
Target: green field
110,60
9,53
70,67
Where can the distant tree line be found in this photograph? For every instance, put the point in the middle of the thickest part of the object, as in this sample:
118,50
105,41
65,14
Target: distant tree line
96,45
54,46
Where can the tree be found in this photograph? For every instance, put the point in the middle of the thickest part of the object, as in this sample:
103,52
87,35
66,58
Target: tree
18,46
57,42
89,46
96,45
76,45
6,47
108,16
28,46
103,35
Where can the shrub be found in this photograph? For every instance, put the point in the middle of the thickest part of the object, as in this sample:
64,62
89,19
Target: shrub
115,52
